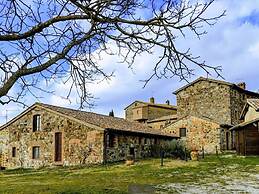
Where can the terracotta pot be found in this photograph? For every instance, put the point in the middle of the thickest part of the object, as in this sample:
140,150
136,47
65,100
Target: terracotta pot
129,162
194,155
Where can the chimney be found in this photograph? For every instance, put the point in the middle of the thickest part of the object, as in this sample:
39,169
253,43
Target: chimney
242,85
167,102
152,100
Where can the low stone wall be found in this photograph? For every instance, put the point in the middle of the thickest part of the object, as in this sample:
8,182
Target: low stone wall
129,145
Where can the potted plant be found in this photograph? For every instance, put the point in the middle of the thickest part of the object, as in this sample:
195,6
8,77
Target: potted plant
194,153
129,160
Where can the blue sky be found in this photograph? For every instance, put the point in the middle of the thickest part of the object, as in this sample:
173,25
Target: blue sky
232,43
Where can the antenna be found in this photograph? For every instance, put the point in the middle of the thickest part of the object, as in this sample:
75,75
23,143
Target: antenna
7,111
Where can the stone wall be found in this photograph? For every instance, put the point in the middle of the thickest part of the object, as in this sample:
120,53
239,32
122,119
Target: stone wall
4,137
129,112
238,101
142,112
200,133
156,112
205,99
77,139
141,145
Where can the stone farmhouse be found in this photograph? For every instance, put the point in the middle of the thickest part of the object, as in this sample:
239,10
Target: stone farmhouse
247,133
46,135
206,110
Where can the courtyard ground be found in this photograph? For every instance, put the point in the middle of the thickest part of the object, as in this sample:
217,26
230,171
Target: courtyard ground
214,174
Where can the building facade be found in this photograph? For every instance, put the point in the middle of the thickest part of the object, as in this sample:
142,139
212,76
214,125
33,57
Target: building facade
46,135
199,134
219,101
145,111
247,132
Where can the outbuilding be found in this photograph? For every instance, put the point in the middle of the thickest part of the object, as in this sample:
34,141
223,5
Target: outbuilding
247,137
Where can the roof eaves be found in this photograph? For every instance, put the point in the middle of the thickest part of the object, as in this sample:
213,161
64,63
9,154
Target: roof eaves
144,132
72,118
244,124
19,116
203,79
134,102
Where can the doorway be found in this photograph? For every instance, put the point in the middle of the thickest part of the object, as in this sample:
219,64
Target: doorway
58,147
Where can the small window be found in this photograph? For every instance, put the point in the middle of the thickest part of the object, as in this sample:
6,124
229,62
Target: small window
35,152
182,132
36,123
13,152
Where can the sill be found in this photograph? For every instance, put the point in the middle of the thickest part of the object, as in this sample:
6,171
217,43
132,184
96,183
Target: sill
58,163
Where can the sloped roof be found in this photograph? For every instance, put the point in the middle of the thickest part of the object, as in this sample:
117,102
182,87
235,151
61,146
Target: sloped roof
164,118
216,81
168,106
253,102
191,116
99,120
244,124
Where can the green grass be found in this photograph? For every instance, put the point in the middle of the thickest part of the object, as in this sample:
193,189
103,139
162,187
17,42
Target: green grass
116,178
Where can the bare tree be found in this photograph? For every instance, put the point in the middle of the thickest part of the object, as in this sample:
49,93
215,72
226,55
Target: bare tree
60,39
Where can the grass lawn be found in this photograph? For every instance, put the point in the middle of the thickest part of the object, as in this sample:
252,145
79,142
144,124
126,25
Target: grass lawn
222,174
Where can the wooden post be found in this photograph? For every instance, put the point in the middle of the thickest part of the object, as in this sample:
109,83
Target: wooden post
203,156
185,154
162,153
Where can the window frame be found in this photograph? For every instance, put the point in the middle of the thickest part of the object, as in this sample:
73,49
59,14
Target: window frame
181,133
14,152
36,152
36,123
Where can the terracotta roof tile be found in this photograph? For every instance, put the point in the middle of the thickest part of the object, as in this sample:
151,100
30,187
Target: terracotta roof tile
106,122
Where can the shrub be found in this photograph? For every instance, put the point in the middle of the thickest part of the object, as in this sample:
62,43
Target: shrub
174,148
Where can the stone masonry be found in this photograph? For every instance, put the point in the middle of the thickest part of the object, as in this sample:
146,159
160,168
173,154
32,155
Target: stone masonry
76,138
84,138
200,133
221,102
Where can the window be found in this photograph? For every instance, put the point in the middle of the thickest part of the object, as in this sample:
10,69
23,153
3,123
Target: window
36,123
182,132
13,152
35,152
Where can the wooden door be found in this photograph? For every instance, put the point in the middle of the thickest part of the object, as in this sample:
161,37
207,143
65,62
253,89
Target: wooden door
227,140
58,147
241,142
